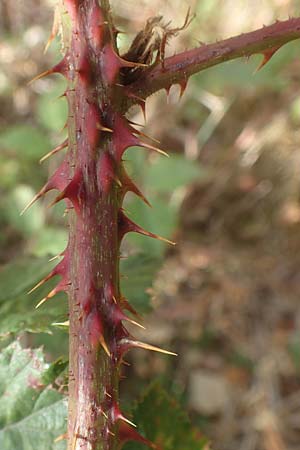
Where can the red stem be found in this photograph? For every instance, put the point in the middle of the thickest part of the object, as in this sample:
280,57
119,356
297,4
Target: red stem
178,68
93,181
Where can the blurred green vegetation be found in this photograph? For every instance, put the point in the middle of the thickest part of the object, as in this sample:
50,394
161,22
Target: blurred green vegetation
202,150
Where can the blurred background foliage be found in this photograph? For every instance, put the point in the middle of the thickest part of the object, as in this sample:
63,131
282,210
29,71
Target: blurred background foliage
226,298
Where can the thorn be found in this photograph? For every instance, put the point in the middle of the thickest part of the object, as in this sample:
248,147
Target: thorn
114,299
108,395
61,438
50,39
117,415
126,225
145,346
156,236
64,94
140,133
126,63
183,85
156,149
127,421
132,187
111,433
54,30
126,433
167,89
153,348
41,302
50,295
55,150
71,191
135,123
100,127
104,345
62,324
143,108
40,283
126,305
55,257
267,55
41,75
104,414
114,62
75,439
57,199
35,198
134,322
58,270
118,181
56,181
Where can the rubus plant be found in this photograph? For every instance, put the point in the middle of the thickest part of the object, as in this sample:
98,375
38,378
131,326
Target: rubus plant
102,86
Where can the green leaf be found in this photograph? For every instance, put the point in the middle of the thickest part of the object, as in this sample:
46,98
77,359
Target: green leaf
51,109
17,308
161,420
19,197
168,174
138,271
32,412
28,142
49,241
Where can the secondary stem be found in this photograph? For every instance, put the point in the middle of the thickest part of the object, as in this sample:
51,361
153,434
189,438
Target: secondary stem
178,68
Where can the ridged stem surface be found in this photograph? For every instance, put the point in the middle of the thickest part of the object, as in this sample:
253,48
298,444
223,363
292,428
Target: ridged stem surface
94,192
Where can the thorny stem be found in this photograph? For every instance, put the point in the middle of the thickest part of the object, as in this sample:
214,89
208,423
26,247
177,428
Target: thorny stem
93,181
178,68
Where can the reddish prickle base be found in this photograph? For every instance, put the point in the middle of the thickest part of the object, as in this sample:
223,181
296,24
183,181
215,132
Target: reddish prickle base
93,182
